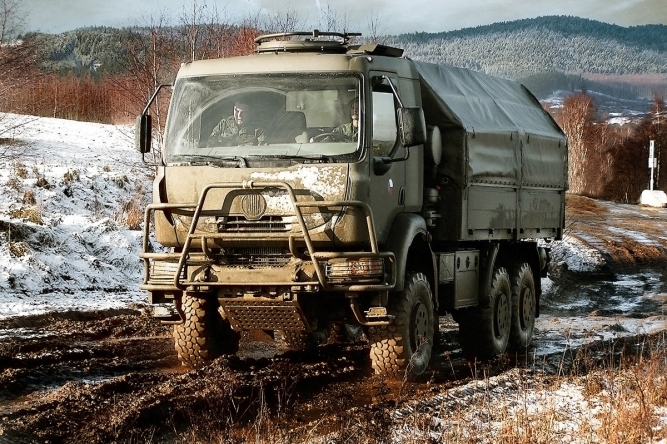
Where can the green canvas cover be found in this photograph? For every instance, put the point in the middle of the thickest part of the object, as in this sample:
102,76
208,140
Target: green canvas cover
494,130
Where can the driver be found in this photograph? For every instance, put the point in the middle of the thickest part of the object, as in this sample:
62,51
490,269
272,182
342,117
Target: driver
237,129
350,129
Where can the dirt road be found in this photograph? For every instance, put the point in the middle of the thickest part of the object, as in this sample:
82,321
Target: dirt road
113,376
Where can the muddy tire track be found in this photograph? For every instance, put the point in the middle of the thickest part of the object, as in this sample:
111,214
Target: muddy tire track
114,377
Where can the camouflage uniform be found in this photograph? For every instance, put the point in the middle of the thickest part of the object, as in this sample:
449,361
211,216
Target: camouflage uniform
347,129
228,132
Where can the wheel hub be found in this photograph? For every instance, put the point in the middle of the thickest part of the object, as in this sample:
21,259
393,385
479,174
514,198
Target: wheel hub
503,315
526,307
419,324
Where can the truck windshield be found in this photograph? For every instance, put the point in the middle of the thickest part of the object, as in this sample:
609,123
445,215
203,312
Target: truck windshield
300,115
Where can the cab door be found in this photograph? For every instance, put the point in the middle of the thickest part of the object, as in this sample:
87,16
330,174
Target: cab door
387,196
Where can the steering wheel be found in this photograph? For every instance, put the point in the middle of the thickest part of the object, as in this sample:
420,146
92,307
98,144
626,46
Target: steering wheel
336,137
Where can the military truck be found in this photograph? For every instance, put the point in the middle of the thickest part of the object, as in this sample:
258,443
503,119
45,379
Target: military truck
440,200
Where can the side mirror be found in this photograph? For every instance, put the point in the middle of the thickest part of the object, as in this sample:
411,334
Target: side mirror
143,133
411,126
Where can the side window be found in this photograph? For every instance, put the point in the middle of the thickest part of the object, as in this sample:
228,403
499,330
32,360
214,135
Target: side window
384,123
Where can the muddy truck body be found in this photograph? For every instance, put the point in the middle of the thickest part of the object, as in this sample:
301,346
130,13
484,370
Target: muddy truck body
439,201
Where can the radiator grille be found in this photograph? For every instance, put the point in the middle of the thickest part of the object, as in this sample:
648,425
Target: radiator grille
265,224
258,257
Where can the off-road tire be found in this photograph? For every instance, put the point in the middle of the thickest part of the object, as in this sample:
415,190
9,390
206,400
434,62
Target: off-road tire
484,331
523,307
403,348
204,335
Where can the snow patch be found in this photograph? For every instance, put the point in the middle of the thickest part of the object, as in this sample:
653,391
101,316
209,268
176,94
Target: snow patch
63,242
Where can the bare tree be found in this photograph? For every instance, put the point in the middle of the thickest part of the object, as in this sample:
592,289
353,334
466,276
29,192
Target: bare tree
206,32
331,19
659,117
12,19
151,59
377,27
18,67
244,38
193,29
219,33
577,120
285,20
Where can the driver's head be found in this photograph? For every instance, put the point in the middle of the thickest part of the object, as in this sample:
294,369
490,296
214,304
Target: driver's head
241,112
354,113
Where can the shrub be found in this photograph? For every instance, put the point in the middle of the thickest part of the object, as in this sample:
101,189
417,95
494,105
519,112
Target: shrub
29,198
18,249
33,215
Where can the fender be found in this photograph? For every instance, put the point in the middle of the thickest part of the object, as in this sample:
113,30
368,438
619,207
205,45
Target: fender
405,228
486,272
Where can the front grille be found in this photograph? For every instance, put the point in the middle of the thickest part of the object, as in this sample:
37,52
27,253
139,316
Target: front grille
258,257
265,224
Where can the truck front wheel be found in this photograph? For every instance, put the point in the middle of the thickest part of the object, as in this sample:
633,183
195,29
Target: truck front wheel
204,335
403,348
484,331
523,307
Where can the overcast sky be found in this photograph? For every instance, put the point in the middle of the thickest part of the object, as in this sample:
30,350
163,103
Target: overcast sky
395,16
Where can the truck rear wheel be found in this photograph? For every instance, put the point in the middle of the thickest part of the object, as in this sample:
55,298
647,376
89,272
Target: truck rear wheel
204,335
523,307
484,330
403,348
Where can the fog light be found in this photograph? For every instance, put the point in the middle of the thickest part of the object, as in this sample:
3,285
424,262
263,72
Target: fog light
363,268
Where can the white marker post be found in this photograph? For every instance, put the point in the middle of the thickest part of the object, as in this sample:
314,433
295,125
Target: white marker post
650,197
651,160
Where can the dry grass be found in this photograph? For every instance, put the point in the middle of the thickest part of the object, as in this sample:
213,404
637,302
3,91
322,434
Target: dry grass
20,170
583,206
31,214
18,249
29,198
17,173
619,399
71,176
130,214
11,141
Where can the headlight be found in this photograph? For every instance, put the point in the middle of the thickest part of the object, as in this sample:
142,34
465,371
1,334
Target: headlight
356,269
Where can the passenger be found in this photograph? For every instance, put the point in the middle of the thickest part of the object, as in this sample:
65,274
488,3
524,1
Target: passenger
237,129
350,129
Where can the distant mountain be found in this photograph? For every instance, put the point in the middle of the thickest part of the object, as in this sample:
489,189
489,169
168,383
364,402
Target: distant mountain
546,44
555,53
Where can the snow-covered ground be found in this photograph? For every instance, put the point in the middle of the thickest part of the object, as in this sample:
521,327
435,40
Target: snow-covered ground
65,191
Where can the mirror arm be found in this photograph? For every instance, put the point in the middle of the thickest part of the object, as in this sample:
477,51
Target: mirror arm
393,89
152,99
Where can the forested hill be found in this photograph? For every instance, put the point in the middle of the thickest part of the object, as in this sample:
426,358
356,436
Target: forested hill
514,49
526,47
547,54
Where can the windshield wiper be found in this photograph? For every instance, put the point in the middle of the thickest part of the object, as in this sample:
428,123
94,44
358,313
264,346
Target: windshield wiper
225,162
311,157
